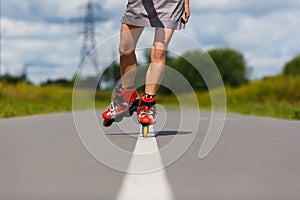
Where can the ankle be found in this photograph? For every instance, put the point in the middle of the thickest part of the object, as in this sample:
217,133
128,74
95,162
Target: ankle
150,96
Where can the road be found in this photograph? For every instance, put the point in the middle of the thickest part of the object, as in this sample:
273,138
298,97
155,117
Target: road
42,157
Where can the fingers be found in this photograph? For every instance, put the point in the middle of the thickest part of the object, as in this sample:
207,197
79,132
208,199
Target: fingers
187,10
187,16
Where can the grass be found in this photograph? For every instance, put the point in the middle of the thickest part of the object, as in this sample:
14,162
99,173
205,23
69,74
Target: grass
278,110
24,99
274,97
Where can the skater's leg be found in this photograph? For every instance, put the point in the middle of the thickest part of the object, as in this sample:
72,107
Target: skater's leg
158,60
128,39
126,96
147,110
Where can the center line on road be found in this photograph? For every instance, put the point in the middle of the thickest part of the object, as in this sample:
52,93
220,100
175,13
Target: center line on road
148,185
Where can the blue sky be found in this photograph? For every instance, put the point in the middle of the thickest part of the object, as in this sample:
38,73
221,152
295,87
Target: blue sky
38,33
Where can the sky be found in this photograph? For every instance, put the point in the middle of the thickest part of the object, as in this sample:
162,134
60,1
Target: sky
38,33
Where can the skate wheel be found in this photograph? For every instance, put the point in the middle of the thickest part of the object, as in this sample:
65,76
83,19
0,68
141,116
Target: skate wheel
107,122
145,130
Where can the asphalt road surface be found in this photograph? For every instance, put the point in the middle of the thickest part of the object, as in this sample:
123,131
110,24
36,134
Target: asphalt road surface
42,157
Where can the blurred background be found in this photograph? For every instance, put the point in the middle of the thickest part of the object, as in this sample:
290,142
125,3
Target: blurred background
254,44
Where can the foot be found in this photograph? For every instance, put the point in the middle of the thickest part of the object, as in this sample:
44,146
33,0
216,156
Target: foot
146,110
122,104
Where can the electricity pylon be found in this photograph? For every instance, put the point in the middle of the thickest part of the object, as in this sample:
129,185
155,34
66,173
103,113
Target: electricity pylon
88,33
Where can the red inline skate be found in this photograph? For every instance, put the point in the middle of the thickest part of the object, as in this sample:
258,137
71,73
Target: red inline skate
124,104
146,112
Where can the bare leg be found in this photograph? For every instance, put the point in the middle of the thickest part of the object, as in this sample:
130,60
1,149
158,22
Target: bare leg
128,39
158,60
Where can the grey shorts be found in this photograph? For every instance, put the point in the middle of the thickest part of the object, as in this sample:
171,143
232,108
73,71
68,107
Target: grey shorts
155,13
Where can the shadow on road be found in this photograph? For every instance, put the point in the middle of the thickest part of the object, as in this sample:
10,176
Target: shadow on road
158,134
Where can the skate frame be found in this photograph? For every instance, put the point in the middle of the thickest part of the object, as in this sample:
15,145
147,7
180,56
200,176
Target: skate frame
147,131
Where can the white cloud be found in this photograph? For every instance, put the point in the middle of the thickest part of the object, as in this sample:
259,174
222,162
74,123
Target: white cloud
254,6
57,10
274,30
42,44
36,10
266,66
39,53
114,4
266,32
20,28
38,44
271,39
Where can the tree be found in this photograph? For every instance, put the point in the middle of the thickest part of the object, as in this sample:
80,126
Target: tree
187,69
232,66
60,82
230,63
111,75
292,68
14,79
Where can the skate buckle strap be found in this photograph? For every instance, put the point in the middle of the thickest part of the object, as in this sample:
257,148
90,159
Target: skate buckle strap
147,108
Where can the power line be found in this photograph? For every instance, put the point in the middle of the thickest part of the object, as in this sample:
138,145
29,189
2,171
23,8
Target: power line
89,41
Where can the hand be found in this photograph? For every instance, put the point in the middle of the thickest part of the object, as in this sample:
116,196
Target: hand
187,11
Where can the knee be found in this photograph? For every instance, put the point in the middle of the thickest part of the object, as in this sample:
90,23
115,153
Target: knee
126,51
158,52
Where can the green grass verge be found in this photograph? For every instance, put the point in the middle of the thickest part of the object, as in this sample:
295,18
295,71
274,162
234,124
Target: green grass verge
271,110
274,97
24,99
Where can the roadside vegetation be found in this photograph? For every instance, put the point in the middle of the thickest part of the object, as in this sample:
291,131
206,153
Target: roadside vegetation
26,99
273,96
276,96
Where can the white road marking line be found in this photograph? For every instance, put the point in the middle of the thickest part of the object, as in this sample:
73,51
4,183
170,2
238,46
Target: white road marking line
151,185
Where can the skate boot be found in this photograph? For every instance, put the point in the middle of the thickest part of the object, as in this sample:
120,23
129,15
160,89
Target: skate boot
146,112
123,105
